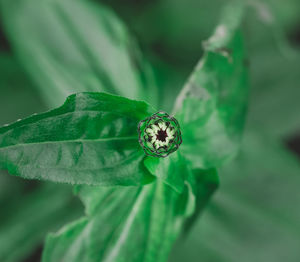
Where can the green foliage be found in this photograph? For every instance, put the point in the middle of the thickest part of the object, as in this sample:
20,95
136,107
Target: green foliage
254,213
91,139
122,224
211,106
136,206
253,216
173,169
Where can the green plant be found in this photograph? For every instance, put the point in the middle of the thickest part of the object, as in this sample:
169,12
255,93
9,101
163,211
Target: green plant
136,204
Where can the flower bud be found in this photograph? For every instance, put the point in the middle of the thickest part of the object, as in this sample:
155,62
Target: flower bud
159,134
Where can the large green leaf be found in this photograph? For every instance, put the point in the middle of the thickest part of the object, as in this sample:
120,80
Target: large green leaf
91,139
211,106
254,216
70,46
26,219
123,224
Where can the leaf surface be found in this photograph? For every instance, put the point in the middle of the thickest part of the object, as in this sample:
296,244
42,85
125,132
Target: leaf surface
172,169
211,106
91,139
122,224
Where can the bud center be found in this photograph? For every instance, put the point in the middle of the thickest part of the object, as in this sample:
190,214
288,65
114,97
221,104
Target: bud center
161,135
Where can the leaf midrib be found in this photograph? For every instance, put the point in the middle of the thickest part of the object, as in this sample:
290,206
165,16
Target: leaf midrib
73,141
120,163
49,117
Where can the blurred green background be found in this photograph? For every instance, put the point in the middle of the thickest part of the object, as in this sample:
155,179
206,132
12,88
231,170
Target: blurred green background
255,214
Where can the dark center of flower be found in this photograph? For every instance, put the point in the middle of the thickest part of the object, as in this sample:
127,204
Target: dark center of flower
161,135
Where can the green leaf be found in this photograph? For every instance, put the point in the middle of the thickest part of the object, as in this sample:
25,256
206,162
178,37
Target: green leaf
74,46
211,106
172,169
254,213
91,139
122,224
26,219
